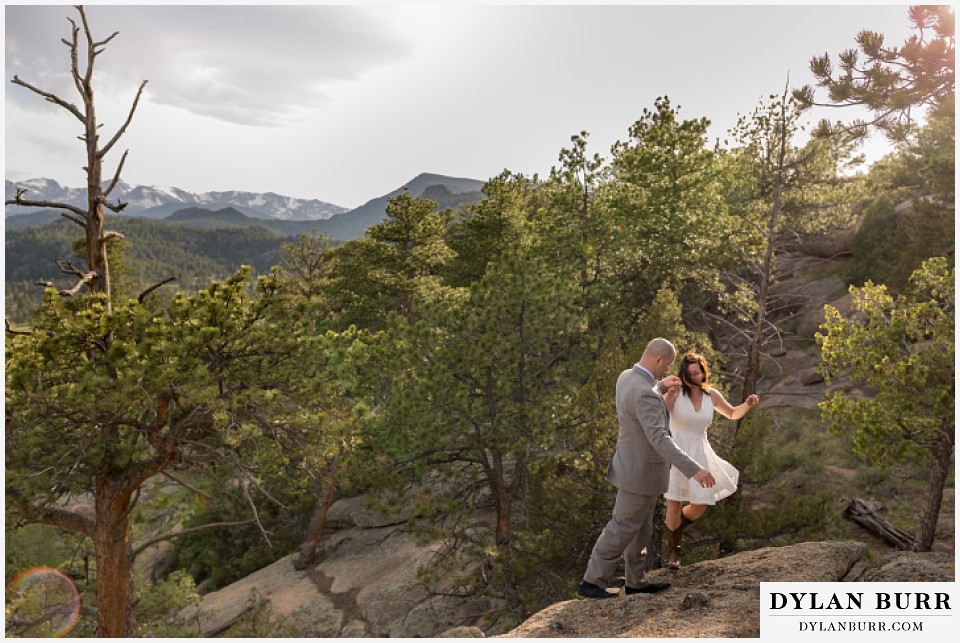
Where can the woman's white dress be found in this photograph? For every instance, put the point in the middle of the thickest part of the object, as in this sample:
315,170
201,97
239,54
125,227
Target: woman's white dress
689,430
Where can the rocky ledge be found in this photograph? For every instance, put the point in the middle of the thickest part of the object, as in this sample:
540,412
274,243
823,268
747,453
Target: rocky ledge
721,598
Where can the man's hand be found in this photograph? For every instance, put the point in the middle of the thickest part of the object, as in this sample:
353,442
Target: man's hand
705,478
670,382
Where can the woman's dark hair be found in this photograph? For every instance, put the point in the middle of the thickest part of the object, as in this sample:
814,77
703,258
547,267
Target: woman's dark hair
693,358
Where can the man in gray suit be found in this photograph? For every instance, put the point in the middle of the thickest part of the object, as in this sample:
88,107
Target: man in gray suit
640,471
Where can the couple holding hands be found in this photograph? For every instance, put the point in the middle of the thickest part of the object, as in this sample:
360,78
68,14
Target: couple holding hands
662,448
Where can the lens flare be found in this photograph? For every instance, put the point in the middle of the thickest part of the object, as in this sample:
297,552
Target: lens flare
44,602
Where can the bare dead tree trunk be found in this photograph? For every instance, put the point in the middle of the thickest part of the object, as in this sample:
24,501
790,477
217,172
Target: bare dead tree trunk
867,515
760,318
97,276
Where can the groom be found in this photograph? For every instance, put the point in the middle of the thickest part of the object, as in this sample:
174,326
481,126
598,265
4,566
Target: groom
640,471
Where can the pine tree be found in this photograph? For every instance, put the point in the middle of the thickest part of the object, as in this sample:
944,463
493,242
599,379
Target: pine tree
900,351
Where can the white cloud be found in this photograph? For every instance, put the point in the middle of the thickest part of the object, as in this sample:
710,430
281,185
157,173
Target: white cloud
254,65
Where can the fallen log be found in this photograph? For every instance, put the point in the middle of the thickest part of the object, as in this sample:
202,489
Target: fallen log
866,513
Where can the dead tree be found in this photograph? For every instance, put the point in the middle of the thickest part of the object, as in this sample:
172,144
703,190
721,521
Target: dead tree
867,514
96,276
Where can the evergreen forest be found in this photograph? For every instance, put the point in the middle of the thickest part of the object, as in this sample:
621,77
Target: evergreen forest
459,363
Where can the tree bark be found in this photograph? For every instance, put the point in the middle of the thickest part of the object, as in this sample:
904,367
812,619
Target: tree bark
111,540
932,498
308,548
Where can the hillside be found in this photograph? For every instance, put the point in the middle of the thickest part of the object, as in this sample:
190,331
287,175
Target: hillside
154,251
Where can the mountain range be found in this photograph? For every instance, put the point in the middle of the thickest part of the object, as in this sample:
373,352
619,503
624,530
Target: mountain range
159,202
284,215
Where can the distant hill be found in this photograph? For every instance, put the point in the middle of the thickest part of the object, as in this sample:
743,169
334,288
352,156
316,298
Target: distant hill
32,218
205,218
447,191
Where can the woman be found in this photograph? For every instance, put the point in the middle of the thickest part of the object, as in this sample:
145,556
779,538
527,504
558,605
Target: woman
691,407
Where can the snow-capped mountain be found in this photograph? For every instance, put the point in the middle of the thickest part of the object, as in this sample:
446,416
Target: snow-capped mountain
160,202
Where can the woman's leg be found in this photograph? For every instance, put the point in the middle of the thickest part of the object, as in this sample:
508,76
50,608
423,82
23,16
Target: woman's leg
691,512
672,518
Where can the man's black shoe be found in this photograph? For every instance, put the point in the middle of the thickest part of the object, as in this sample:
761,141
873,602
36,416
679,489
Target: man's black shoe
649,588
589,590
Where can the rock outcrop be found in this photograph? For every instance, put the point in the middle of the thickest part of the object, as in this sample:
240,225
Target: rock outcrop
365,585
721,598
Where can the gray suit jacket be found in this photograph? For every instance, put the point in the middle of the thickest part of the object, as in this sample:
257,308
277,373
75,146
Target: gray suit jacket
645,449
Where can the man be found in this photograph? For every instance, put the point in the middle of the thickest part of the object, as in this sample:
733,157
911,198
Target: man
640,471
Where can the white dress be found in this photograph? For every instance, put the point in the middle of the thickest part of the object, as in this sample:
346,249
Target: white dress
689,430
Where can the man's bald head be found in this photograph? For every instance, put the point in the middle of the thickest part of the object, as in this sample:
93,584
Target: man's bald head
658,356
660,347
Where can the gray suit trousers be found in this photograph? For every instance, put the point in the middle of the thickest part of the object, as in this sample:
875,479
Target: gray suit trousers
625,535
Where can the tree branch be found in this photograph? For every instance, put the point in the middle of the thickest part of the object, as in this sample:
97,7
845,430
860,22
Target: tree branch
79,222
19,200
184,484
192,530
66,267
11,331
74,46
91,51
50,98
56,517
84,280
123,128
116,175
149,290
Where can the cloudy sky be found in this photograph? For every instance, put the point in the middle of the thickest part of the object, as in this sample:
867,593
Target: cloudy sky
345,103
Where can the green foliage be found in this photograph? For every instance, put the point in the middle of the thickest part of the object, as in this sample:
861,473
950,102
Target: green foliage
900,350
160,605
890,80
903,348
215,561
920,177
874,246
398,260
33,546
666,195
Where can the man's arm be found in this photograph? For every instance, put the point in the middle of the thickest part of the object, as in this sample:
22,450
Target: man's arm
653,419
